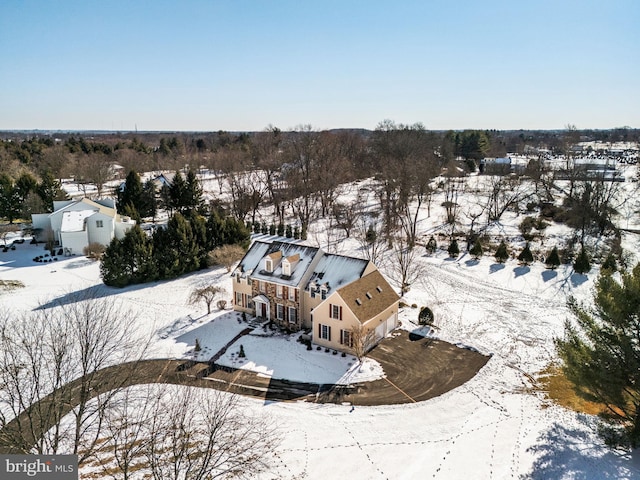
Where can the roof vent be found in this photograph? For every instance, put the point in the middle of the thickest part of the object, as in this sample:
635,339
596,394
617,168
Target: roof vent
379,289
358,301
368,295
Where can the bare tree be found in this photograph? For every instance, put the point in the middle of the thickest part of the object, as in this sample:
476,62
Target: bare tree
504,193
226,255
370,235
53,364
404,268
205,294
361,340
206,434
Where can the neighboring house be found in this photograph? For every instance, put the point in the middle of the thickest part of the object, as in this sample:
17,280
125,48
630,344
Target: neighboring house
74,224
301,287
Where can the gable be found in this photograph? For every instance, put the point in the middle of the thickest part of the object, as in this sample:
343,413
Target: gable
368,296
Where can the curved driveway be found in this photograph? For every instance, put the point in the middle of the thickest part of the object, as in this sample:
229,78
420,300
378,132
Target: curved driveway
416,370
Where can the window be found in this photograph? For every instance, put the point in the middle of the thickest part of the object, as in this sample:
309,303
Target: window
313,293
261,286
99,223
335,311
324,331
346,338
286,268
292,294
239,299
293,315
279,311
279,291
323,293
238,277
268,265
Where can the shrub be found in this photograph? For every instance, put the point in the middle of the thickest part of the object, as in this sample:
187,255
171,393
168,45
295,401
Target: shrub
526,226
453,249
582,264
431,246
241,354
197,348
476,250
502,254
526,257
94,250
425,317
553,259
222,304
610,263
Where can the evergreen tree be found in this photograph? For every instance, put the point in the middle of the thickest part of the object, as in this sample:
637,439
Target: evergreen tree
49,190
502,254
582,264
176,250
148,202
431,246
553,259
476,251
192,197
131,193
610,263
138,251
453,249
10,205
526,257
280,230
113,263
601,354
177,193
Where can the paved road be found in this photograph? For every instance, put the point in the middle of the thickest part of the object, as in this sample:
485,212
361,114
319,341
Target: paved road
416,370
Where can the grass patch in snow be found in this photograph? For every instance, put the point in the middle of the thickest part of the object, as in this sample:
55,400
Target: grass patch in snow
10,284
555,385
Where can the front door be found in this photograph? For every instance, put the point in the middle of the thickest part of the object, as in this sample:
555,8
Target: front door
263,310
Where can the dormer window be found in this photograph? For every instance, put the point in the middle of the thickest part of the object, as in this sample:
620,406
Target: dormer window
286,267
268,265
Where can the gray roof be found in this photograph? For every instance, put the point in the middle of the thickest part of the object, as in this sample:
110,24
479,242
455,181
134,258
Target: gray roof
335,271
252,263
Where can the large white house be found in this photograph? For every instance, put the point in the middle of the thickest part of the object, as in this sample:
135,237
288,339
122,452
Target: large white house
74,224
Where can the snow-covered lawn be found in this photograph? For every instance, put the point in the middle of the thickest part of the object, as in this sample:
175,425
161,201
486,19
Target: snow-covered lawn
493,427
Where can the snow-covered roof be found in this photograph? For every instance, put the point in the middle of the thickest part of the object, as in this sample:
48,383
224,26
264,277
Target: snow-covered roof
105,207
252,265
335,271
73,220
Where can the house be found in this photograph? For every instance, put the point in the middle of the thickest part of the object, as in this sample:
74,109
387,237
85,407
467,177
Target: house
301,287
74,224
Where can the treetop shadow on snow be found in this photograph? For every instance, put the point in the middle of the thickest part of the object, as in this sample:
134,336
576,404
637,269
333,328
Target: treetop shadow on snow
578,279
549,275
566,452
521,270
496,267
90,293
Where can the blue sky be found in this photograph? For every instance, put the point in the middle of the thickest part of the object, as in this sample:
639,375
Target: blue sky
242,65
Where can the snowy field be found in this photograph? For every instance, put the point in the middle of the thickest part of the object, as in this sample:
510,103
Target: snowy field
492,427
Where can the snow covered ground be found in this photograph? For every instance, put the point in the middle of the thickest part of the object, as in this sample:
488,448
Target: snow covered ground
492,427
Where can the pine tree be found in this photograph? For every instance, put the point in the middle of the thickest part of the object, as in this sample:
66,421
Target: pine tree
502,254
49,190
177,193
131,194
582,264
192,198
113,263
476,251
453,249
526,257
601,354
553,259
431,246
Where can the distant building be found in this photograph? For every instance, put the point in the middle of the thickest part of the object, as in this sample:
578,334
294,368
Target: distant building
74,224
